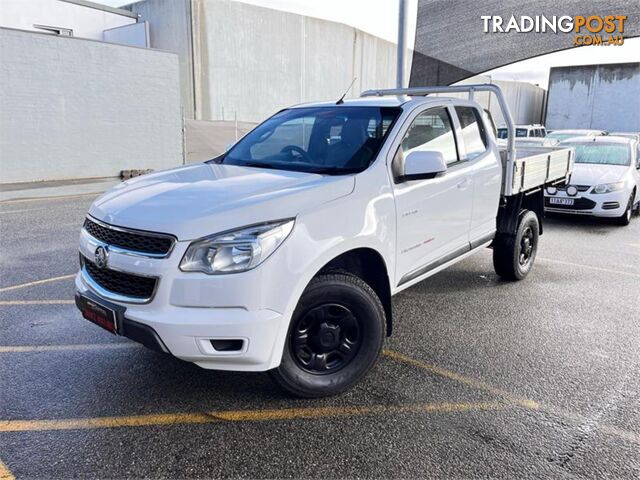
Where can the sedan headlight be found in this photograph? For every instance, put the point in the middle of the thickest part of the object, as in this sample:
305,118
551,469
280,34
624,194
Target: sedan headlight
608,187
236,250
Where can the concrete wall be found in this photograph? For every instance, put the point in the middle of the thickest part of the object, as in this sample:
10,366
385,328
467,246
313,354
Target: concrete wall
525,100
73,108
252,61
84,20
603,97
170,30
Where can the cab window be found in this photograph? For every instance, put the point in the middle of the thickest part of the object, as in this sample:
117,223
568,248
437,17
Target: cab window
431,130
473,131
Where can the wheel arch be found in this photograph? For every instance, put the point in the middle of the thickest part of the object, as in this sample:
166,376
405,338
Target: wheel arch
367,264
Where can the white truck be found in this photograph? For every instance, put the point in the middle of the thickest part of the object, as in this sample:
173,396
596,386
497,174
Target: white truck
283,253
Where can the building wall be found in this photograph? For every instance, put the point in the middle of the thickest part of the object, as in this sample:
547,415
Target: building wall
603,97
85,21
170,30
252,61
74,108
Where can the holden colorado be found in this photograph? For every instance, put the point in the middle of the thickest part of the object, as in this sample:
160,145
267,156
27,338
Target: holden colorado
283,253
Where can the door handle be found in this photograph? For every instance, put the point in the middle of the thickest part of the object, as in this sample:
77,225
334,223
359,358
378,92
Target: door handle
464,184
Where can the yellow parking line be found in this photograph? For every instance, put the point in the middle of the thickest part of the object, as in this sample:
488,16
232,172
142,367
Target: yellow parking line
508,396
581,419
5,473
37,282
479,384
591,267
54,197
35,302
62,348
239,416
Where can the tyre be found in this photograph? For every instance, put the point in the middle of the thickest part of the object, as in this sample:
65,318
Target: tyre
625,218
513,255
334,339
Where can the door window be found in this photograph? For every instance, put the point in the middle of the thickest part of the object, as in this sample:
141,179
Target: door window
431,130
473,132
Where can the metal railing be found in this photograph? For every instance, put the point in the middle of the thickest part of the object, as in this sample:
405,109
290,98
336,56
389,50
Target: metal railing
470,89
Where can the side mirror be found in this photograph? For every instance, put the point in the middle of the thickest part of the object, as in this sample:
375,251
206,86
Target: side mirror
422,165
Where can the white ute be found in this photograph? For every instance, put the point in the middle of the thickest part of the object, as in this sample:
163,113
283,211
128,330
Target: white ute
283,253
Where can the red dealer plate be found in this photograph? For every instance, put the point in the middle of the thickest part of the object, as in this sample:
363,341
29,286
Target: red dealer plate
98,314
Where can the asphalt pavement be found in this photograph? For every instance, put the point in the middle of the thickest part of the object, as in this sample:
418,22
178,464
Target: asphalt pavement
482,378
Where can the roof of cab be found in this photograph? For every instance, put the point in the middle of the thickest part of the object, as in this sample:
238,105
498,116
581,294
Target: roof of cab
578,131
358,102
597,139
383,101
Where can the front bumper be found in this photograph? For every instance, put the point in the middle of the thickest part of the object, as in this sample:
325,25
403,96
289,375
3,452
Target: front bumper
611,204
187,333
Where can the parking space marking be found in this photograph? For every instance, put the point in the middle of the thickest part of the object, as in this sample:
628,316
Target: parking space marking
509,397
577,418
5,473
35,302
62,348
478,384
592,267
53,197
23,210
241,416
36,282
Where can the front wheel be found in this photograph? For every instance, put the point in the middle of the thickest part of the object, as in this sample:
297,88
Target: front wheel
513,255
334,339
625,218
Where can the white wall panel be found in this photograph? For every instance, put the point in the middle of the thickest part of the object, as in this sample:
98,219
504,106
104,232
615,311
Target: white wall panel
73,108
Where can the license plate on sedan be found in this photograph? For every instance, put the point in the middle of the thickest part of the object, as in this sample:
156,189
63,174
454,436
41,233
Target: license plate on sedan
99,314
561,201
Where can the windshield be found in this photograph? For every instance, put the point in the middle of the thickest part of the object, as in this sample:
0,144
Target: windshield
333,140
601,153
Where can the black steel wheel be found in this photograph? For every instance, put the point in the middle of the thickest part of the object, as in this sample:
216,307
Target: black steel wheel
325,338
527,244
334,339
513,255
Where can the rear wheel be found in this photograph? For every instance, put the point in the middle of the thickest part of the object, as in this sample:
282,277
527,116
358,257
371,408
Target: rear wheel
334,339
625,218
514,255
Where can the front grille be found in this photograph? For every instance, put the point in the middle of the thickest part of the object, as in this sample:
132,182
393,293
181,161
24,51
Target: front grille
125,284
580,188
156,244
578,204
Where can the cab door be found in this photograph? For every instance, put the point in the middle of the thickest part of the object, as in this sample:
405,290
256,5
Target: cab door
433,215
486,170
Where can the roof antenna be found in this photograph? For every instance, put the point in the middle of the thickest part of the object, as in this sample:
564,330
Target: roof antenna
341,100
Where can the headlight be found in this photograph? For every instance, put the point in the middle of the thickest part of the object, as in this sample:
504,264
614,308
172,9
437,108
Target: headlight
236,250
608,187
552,190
